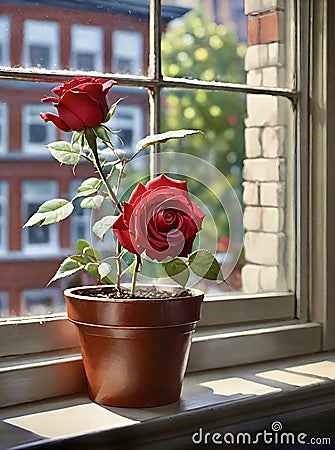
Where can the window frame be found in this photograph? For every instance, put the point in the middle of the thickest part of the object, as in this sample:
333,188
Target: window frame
50,39
3,128
137,62
97,45
287,328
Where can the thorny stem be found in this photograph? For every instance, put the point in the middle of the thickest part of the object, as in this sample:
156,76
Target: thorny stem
135,273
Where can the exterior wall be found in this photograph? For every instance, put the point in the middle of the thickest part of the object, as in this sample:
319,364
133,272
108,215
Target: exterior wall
266,138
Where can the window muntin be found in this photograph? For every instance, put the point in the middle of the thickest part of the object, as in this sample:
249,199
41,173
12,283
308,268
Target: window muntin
4,40
127,52
87,48
36,133
41,44
34,193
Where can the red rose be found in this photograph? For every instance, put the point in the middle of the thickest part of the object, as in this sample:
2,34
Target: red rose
159,218
81,103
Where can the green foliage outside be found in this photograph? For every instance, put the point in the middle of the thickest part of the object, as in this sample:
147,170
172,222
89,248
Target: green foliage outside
207,51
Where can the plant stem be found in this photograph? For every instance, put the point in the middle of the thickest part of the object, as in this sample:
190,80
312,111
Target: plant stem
107,185
135,273
118,266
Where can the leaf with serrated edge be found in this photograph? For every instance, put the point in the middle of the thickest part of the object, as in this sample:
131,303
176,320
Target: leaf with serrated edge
101,227
205,265
52,211
178,270
68,267
163,137
64,152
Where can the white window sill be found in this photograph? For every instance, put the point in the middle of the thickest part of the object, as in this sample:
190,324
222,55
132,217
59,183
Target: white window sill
221,400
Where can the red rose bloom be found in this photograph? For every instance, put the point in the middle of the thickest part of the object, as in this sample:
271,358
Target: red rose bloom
159,218
81,103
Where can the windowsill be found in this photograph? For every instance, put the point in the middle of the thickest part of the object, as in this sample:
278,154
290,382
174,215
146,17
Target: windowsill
217,400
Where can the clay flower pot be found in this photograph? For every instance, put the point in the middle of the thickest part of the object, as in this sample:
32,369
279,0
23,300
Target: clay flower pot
134,352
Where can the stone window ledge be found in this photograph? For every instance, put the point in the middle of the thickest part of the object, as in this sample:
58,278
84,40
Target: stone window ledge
241,399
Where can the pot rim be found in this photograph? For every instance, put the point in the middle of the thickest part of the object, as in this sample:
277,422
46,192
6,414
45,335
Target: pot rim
70,292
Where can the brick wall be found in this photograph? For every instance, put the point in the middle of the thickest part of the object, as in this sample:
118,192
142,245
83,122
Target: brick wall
265,141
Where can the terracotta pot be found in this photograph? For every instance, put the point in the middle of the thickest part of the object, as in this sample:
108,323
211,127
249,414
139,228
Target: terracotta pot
134,352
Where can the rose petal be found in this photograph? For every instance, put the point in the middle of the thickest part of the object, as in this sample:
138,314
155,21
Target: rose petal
164,181
74,122
49,117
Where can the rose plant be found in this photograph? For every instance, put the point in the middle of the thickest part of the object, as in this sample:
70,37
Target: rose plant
159,220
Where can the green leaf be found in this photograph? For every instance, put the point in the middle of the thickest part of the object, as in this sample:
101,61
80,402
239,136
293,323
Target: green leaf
112,109
88,187
79,258
104,269
101,133
101,227
92,202
92,140
52,211
93,254
82,244
204,264
64,152
163,137
76,135
178,270
68,267
93,269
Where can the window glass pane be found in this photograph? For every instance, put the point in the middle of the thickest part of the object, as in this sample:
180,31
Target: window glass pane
90,36
87,48
244,147
41,44
220,41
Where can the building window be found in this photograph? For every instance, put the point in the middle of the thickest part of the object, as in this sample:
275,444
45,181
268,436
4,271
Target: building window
3,215
80,218
35,302
129,120
3,127
4,40
41,44
36,133
127,52
4,305
34,193
86,48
